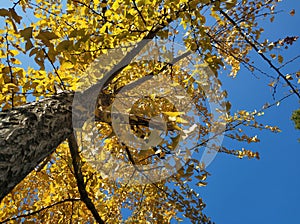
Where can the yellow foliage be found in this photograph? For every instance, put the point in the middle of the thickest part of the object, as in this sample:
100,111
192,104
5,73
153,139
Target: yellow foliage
59,44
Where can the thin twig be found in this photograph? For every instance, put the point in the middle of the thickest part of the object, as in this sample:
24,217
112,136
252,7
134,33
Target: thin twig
16,3
87,6
260,53
40,210
9,66
55,69
139,12
290,61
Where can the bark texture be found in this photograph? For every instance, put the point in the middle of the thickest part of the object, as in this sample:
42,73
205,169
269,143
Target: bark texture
29,134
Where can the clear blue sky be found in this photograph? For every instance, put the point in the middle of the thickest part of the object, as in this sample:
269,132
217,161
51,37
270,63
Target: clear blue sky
266,190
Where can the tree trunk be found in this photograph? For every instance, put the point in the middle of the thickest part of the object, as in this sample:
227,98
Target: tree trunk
29,134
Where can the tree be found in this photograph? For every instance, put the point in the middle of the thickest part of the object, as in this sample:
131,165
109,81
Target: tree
88,60
296,118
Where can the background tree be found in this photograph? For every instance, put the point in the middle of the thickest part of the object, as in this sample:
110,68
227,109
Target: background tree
61,40
296,118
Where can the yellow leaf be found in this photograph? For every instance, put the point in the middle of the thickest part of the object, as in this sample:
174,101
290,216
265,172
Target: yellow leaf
14,52
11,86
173,114
115,5
152,96
181,120
172,118
201,184
15,61
272,84
280,59
288,77
202,177
176,127
67,65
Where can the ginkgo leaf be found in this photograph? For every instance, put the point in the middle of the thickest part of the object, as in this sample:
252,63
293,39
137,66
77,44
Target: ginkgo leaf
26,33
46,36
181,120
201,184
10,86
14,15
228,106
288,77
14,52
67,65
292,12
173,114
272,84
4,12
15,61
115,5
280,59
64,45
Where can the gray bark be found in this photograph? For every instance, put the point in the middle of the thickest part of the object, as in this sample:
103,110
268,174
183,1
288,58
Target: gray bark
29,134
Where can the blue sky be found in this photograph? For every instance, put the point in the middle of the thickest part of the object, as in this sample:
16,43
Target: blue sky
266,190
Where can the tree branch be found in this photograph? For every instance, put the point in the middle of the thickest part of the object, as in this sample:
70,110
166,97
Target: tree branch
76,161
40,210
260,53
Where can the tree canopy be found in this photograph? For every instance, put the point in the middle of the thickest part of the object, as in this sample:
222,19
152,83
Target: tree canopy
111,110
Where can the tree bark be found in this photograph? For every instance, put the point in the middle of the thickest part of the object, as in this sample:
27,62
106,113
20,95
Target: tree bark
29,134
